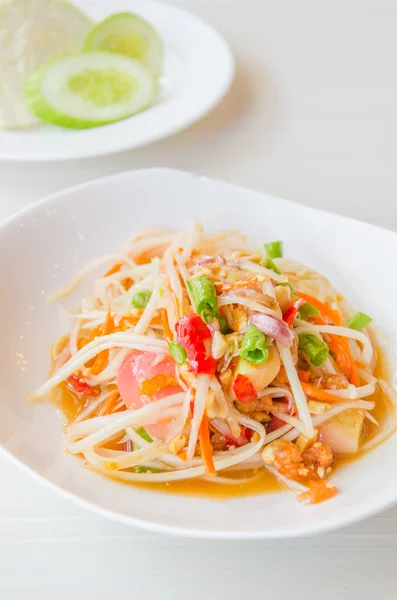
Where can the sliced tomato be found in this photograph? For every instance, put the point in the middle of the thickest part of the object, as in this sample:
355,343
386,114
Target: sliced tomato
145,377
243,388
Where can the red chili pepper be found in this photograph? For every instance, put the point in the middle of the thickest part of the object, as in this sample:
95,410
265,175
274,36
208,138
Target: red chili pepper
81,386
244,438
195,338
243,388
289,315
274,423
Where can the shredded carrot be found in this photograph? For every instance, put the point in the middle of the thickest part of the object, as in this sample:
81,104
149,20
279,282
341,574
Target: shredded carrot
109,403
115,269
178,306
303,375
108,326
126,322
354,378
102,358
361,365
205,445
319,394
344,358
144,257
338,345
166,325
127,283
323,308
156,321
100,363
94,333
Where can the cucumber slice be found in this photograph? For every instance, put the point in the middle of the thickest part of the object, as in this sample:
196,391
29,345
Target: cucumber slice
88,89
128,34
31,33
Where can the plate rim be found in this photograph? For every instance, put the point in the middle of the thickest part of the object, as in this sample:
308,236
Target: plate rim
48,198
320,527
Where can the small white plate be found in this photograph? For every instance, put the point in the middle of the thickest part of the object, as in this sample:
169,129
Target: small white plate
46,244
198,70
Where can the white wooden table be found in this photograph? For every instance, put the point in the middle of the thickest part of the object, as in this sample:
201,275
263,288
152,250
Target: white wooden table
312,116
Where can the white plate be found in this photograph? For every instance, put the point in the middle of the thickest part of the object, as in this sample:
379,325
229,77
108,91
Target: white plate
198,70
46,244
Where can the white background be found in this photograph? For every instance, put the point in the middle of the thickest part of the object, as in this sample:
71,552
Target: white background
311,117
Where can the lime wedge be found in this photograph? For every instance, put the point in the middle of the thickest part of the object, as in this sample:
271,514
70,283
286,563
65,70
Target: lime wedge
31,33
128,34
88,89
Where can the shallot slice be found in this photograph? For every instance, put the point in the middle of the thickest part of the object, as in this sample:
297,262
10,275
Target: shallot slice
274,328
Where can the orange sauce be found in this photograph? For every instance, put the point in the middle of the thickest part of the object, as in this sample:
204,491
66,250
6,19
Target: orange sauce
380,412
252,482
67,402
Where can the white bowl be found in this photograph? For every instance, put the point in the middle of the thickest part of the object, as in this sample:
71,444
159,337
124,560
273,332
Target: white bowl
41,249
198,69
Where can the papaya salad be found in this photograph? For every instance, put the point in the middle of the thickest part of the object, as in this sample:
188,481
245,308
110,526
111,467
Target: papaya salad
199,357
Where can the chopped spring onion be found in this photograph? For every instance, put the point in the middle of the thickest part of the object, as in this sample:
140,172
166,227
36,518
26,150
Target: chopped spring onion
274,249
178,353
143,434
203,293
358,321
316,349
270,265
224,327
308,310
141,299
254,346
143,469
